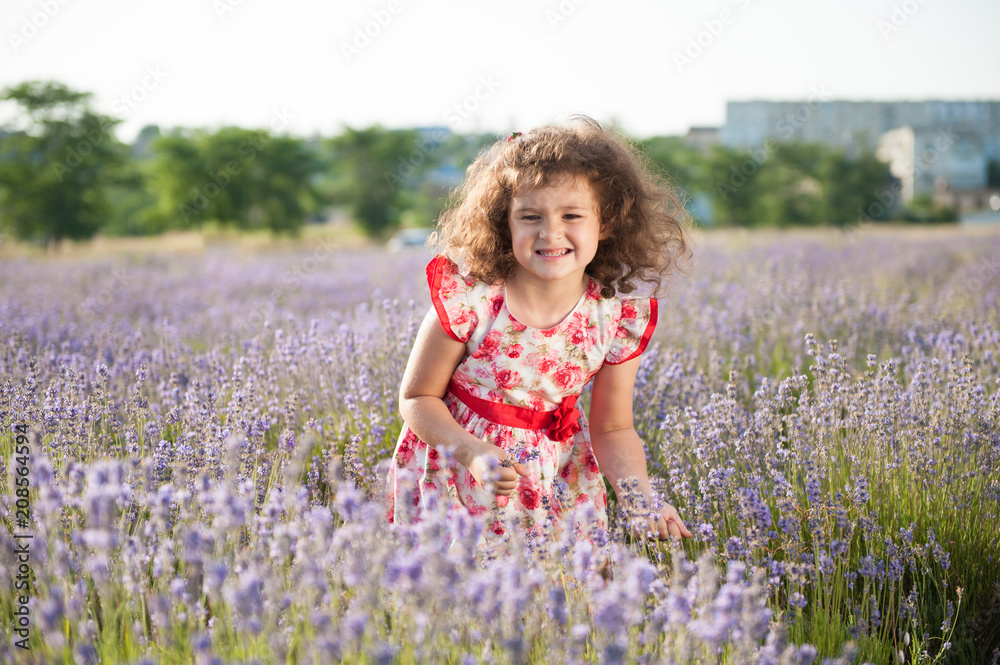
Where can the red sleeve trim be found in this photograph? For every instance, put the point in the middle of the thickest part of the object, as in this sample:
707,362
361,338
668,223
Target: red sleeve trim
646,334
435,275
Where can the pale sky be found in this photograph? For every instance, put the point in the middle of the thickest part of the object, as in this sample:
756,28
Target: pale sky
305,66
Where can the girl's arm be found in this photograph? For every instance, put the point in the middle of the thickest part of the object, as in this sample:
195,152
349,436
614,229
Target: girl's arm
433,360
617,446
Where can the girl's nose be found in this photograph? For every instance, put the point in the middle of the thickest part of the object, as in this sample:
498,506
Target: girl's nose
551,229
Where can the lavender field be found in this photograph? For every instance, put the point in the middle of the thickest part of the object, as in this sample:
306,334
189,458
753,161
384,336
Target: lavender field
193,447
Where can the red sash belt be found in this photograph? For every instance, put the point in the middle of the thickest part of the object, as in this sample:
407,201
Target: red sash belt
559,425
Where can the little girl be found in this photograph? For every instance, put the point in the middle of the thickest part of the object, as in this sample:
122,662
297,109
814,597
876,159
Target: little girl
551,228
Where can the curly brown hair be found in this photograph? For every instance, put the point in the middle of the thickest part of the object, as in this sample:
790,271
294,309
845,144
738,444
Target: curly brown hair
645,238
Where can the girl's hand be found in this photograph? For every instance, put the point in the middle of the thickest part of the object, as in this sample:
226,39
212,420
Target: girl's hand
501,480
669,524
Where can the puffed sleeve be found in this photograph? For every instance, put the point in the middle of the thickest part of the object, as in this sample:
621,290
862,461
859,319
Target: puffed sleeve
635,327
450,295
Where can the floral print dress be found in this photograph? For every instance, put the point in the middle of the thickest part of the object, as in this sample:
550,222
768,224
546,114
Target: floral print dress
517,388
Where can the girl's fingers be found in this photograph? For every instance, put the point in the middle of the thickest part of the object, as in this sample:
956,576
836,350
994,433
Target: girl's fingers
506,483
521,470
675,525
674,530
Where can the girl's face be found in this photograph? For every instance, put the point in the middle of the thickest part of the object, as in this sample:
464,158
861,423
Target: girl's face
555,231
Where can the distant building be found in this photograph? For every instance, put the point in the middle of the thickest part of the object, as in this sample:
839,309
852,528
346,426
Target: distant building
938,148
929,162
702,138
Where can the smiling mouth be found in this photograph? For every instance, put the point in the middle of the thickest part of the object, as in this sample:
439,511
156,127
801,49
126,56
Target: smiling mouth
553,252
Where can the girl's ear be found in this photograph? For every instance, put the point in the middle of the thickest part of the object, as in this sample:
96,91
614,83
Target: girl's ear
605,232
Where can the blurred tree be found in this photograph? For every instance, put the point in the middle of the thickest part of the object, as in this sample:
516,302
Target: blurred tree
993,173
925,210
796,184
683,164
732,177
793,189
851,187
57,161
378,172
245,178
131,201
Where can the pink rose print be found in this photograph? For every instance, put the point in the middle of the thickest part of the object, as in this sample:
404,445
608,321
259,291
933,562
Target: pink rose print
517,325
502,500
628,310
593,290
460,317
528,496
497,528
507,379
488,348
514,350
495,304
546,365
404,452
449,286
501,437
568,375
576,331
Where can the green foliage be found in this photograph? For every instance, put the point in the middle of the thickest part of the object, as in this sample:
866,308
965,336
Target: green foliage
131,201
993,173
852,185
683,164
57,166
63,174
379,173
784,184
245,178
737,197
923,210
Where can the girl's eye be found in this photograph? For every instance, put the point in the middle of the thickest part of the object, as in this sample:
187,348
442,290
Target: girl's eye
571,216
530,218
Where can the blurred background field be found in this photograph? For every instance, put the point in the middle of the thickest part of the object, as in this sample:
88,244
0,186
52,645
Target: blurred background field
64,175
